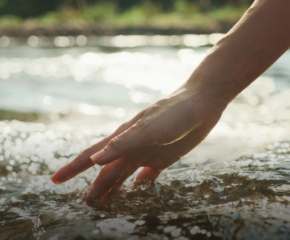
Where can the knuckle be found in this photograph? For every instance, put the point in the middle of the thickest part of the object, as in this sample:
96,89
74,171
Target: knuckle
115,143
122,127
140,125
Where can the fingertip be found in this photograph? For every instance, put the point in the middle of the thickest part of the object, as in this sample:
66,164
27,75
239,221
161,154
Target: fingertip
59,177
147,174
90,197
55,180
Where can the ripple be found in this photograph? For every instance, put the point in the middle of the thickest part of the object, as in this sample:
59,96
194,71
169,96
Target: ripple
245,198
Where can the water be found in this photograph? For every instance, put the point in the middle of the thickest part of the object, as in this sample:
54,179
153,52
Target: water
235,185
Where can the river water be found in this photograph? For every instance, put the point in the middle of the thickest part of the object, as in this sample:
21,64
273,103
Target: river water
57,100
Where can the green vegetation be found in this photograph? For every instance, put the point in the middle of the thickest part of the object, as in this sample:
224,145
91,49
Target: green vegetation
120,13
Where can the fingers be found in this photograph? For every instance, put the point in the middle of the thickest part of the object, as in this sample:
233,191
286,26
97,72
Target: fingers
133,138
83,161
78,165
108,176
148,173
113,176
127,173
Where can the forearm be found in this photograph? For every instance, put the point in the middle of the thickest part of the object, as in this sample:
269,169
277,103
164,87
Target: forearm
255,43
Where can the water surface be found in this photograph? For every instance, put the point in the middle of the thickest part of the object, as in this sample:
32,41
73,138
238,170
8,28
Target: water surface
235,185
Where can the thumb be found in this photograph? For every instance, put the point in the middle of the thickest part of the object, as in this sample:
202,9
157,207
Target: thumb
128,141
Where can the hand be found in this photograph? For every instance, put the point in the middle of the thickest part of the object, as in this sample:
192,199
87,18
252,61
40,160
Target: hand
159,135
154,139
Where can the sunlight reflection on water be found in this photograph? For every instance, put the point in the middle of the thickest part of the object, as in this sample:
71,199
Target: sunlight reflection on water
76,96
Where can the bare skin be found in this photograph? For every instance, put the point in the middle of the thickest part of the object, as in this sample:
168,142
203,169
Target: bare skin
164,132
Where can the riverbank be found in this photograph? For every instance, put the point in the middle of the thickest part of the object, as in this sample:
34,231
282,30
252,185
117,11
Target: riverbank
24,31
104,19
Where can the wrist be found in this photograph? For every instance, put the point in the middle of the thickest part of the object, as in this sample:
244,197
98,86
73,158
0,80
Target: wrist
215,95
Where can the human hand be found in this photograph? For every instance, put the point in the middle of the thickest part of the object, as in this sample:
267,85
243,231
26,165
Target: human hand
159,135
154,139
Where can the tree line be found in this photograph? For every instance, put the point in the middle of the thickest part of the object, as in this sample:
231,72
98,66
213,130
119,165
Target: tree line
34,8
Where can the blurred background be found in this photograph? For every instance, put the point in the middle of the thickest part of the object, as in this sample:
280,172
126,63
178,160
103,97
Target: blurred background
118,16
86,66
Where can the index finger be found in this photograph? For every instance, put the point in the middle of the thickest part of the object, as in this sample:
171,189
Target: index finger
83,161
78,165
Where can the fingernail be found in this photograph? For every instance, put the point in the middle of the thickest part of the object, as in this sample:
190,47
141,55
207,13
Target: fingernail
98,156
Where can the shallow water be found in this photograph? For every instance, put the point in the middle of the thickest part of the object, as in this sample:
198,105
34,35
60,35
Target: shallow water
75,96
248,197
